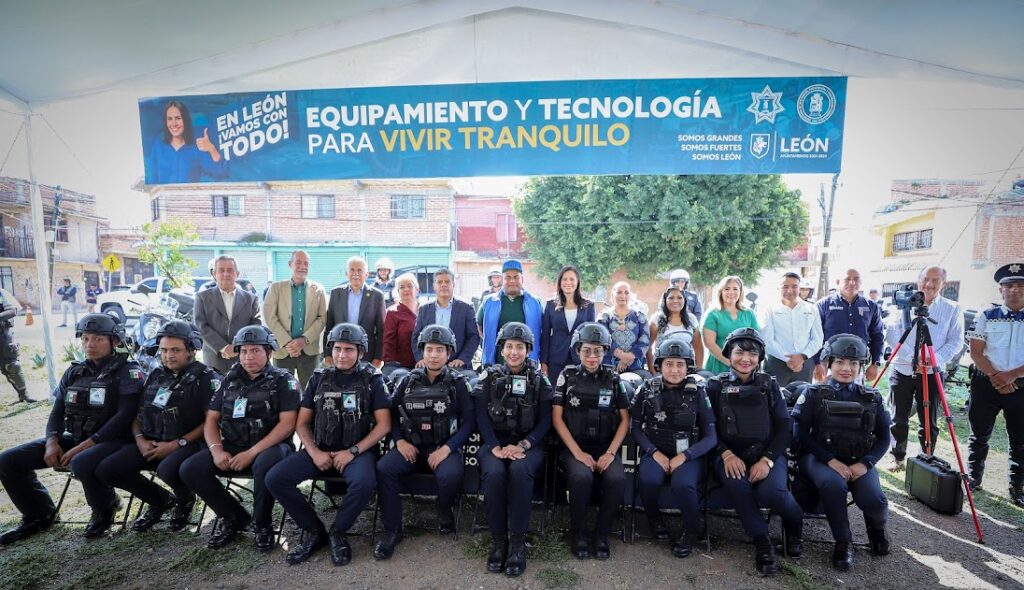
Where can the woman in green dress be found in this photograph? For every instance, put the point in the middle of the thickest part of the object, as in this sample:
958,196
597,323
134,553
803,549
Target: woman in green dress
728,314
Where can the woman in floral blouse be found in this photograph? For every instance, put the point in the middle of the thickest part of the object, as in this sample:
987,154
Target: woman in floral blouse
630,336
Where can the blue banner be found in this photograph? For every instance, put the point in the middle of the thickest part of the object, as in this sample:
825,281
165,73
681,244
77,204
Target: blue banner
678,126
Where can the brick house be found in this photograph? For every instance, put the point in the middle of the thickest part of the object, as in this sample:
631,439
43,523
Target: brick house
124,244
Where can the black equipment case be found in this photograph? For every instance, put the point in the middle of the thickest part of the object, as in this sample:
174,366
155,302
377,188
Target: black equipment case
932,481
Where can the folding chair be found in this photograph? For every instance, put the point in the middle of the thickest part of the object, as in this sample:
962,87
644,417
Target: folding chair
64,493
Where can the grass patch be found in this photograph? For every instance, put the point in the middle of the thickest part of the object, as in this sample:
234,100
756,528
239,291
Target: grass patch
549,547
26,568
98,577
797,577
15,409
239,560
477,546
558,577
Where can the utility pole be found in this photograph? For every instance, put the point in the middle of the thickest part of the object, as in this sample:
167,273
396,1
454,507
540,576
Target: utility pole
58,195
826,219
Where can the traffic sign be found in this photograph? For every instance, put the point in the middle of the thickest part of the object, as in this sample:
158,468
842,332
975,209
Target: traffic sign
111,263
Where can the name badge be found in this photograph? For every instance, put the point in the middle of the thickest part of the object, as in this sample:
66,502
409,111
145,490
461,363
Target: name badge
731,389
348,401
97,395
682,442
604,398
518,385
239,410
162,395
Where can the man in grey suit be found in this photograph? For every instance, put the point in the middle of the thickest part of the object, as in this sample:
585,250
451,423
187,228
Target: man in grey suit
457,315
360,304
220,313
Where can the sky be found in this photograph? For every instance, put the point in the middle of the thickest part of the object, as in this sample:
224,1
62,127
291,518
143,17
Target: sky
894,129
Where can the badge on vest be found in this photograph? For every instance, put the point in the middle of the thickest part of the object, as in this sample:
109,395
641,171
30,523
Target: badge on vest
348,401
440,407
731,389
97,395
574,401
162,396
604,398
71,396
518,385
682,442
239,409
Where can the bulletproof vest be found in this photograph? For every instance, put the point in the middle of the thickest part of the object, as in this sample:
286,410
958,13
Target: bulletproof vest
169,404
343,416
589,411
427,412
513,402
91,398
249,409
670,415
744,414
846,428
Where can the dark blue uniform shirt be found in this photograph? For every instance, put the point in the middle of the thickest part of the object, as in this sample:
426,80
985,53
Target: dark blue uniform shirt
803,417
860,318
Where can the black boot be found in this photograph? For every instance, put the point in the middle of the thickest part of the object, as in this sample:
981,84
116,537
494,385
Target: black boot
27,528
878,539
445,521
764,556
153,515
180,515
1017,496
23,397
101,521
385,548
794,546
311,542
578,544
228,530
341,551
516,556
601,549
264,538
683,546
842,556
499,551
658,529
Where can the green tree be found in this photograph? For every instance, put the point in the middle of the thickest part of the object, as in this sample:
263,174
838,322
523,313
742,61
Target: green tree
162,245
711,225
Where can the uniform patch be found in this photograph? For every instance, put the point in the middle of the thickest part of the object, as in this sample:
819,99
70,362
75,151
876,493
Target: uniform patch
440,407
97,396
561,380
660,416
293,384
135,373
215,384
574,401
801,399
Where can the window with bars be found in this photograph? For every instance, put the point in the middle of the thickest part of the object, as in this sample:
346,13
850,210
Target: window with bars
408,207
62,226
228,206
912,240
318,206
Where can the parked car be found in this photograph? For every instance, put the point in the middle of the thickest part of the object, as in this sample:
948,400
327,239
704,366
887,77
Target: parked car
127,305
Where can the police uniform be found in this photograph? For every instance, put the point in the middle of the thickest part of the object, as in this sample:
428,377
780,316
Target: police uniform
673,419
861,318
753,422
1002,331
343,405
249,411
511,408
591,404
848,422
426,415
95,401
172,405
9,364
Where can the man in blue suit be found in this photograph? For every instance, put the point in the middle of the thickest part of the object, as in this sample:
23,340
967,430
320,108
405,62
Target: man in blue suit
511,304
457,316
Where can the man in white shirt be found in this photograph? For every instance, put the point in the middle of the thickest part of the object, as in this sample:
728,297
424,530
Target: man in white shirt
791,329
904,383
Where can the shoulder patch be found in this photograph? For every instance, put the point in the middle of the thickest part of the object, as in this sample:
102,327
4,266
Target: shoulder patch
800,400
293,383
214,384
546,380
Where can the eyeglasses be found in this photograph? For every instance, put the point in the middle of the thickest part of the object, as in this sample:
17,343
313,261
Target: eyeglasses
591,352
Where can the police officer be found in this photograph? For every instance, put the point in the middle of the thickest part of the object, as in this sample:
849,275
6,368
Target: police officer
384,282
91,416
344,413
680,279
590,412
248,429
493,283
997,349
168,428
9,364
674,427
513,413
754,432
842,429
432,417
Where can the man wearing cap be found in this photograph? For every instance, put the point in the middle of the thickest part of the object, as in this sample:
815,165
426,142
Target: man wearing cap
493,283
510,304
806,291
997,349
384,282
296,312
680,279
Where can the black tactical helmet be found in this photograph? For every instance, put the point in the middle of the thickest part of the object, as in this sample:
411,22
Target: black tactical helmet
674,348
255,335
515,331
436,334
591,333
350,333
845,346
180,329
744,334
100,323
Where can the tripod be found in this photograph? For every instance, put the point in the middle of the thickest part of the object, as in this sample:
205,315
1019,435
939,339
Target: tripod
923,359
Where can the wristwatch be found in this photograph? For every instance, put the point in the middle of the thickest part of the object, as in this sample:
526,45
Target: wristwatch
182,442
354,449
771,464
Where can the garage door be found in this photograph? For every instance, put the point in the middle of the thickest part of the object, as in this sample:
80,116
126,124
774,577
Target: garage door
252,265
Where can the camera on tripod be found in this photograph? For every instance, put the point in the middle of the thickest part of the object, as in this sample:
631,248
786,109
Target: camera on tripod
908,297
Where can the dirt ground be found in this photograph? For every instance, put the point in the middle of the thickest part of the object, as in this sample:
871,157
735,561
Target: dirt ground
928,550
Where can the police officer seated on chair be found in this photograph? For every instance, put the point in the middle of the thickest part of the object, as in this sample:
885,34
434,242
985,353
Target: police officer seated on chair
90,419
249,425
590,412
344,413
513,413
842,429
675,428
753,434
432,417
168,428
